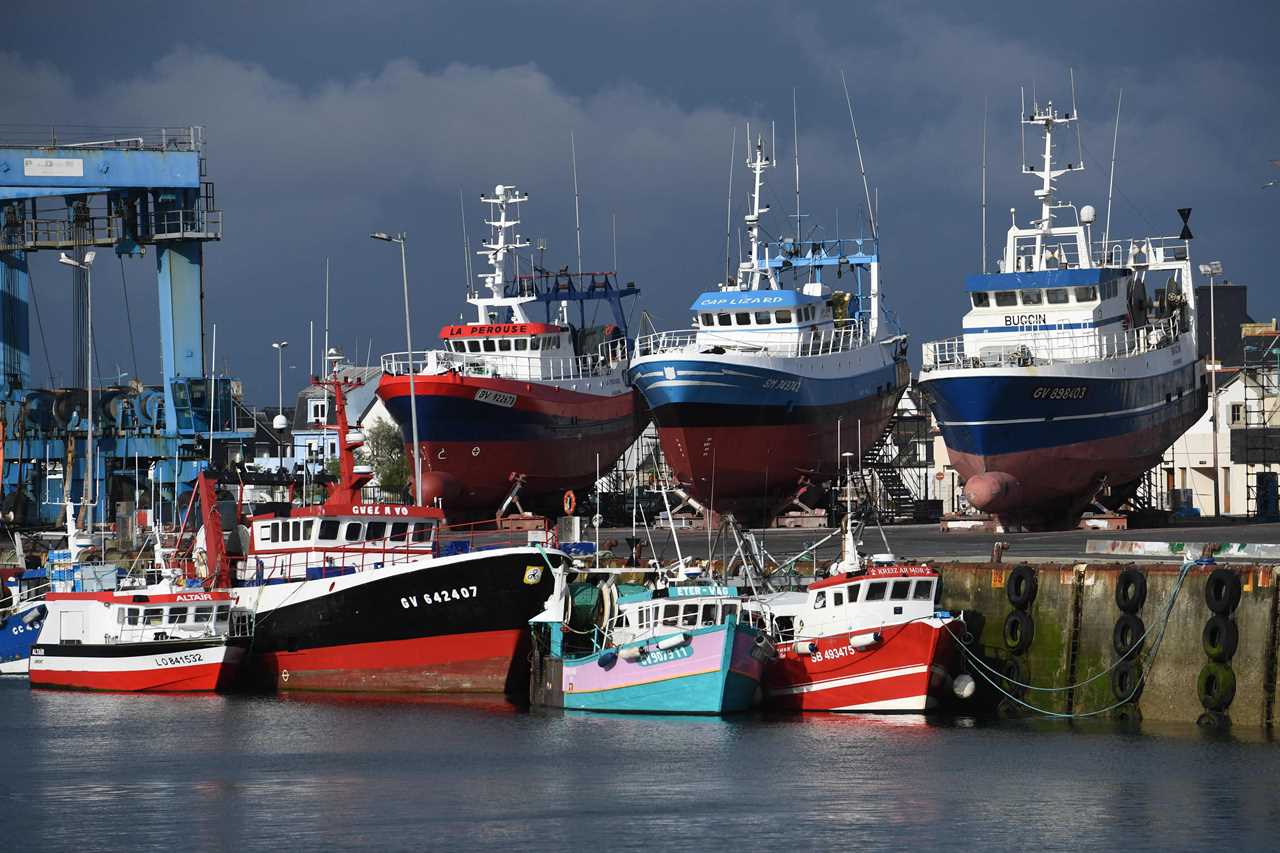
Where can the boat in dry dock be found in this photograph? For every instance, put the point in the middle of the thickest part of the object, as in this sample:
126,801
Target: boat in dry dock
779,374
1078,366
515,410
348,595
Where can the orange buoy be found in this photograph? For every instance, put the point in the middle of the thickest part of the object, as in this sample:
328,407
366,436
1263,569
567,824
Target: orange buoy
570,502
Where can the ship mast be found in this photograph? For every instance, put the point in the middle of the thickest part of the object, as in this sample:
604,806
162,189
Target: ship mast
1046,119
501,240
758,163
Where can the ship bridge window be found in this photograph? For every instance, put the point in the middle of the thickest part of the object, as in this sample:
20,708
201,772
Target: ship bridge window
782,316
1109,289
535,343
284,533
728,610
742,318
708,319
398,529
132,617
473,346
875,591
709,613
152,615
980,299
1032,297
375,530
722,320
306,530
522,344
854,589
328,530
923,591
488,346
1056,295
177,615
422,531
689,616
763,318
820,600
1006,298
837,598
899,591
353,531
1086,294
203,614
671,614
504,344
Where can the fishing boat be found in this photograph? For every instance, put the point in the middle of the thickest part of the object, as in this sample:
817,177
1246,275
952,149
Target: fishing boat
1078,366
779,374
516,410
867,637
355,596
163,637
672,650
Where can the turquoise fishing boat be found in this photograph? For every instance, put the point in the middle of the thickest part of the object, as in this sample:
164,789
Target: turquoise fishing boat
677,650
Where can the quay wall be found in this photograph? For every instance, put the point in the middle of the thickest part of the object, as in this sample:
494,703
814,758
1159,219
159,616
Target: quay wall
1073,645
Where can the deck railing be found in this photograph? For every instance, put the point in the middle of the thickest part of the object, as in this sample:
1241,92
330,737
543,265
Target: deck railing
608,359
841,339
1044,347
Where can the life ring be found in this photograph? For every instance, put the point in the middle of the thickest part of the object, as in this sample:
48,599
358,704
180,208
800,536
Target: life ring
1131,590
1018,632
570,502
1216,686
1126,681
1220,638
1222,592
1021,587
1129,635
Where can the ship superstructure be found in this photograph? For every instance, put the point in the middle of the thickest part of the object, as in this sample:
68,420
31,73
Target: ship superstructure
515,405
1078,365
780,372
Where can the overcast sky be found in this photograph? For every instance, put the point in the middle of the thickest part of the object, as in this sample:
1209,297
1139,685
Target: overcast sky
327,121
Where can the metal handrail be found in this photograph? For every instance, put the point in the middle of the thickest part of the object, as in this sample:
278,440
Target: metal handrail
808,344
1054,346
608,359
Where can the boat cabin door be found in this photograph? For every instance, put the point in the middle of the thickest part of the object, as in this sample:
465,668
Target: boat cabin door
71,627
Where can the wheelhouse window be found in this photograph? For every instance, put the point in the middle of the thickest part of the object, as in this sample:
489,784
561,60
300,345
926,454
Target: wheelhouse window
352,533
742,318
307,527
1086,294
689,616
671,614
723,320
1006,298
203,614
820,600
375,530
709,613
900,590
1057,296
763,318
152,615
980,299
473,346
708,319
489,346
398,530
875,591
504,345
422,531
177,615
923,591
535,343
284,533
782,316
522,344
328,530
853,592
1032,297
837,598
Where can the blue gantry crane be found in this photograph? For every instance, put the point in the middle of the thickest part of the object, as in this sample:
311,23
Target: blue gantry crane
137,192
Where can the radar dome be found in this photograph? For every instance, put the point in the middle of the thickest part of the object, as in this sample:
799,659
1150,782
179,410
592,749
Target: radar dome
1088,214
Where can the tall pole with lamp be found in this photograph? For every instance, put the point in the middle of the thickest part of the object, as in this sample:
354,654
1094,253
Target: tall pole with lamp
1212,270
279,422
408,340
88,492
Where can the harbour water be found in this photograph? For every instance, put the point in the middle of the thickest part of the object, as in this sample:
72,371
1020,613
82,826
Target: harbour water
208,772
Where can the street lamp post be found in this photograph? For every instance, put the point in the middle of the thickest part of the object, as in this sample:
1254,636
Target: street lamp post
88,491
408,340
279,422
1213,269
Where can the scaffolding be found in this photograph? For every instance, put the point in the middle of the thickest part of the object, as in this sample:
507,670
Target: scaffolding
1255,431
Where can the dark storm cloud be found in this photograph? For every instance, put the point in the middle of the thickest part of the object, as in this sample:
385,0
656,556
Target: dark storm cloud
327,121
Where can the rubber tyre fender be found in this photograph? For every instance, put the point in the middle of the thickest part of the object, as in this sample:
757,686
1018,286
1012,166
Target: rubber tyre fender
1222,592
1220,638
1131,590
1129,632
1126,681
1019,630
1216,686
1015,676
1021,586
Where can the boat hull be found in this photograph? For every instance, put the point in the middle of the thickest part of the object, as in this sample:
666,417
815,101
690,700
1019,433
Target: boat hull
1035,449
716,672
743,437
909,670
476,433
18,634
442,625
164,666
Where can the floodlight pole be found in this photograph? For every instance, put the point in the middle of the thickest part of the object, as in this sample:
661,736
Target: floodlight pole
408,340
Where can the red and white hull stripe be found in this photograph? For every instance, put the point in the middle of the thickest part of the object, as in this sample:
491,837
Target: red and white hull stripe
138,667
